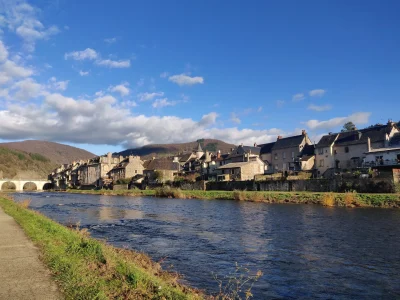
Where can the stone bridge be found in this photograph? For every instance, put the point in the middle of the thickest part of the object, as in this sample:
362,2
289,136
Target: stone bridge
21,184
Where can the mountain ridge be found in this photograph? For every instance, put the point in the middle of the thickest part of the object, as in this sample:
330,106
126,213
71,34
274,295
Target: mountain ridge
159,150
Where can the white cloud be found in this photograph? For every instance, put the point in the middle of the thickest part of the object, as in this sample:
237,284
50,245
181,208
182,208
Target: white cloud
319,107
149,96
317,93
114,63
183,79
91,54
3,52
298,97
48,66
235,118
110,40
159,103
26,89
83,73
57,85
164,75
260,109
87,54
360,118
280,103
121,88
78,121
22,18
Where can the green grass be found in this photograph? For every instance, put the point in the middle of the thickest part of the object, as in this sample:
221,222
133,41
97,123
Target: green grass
337,199
86,268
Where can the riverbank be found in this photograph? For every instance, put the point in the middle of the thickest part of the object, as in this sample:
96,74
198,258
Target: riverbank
86,268
327,199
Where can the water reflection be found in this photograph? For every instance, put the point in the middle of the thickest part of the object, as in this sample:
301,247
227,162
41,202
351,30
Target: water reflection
306,252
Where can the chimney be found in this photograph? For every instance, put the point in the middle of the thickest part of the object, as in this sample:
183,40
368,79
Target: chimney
369,144
130,158
255,144
241,144
303,132
330,133
279,137
219,154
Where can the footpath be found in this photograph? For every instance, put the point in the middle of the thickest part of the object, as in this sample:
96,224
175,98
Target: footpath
22,274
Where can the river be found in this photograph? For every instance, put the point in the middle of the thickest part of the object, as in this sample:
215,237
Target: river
304,251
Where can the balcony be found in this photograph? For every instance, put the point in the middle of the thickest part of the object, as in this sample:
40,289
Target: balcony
387,162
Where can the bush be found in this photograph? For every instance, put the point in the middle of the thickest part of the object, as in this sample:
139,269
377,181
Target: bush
239,195
328,199
167,192
350,199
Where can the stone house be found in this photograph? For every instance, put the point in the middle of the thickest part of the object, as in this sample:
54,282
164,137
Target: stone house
160,169
95,170
287,153
350,147
240,170
324,155
128,168
266,157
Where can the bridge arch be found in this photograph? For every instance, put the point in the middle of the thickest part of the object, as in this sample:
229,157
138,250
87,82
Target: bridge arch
30,186
8,185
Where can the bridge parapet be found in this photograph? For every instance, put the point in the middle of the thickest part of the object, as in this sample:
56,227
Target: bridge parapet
19,184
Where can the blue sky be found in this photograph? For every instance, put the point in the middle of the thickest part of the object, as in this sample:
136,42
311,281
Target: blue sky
106,75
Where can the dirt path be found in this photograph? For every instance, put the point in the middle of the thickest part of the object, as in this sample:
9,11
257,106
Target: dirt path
22,274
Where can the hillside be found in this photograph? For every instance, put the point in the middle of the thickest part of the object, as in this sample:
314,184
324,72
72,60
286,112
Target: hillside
19,164
158,150
56,153
36,159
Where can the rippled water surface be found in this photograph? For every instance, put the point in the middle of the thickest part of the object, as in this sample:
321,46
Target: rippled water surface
304,251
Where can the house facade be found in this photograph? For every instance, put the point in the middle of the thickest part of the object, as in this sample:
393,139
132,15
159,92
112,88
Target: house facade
351,146
286,153
128,168
324,155
240,170
161,169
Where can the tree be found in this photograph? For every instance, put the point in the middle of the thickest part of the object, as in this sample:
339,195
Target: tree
349,126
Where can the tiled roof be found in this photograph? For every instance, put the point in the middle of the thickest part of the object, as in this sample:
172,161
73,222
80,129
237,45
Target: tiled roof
327,140
308,150
395,140
266,148
161,164
185,157
251,149
288,142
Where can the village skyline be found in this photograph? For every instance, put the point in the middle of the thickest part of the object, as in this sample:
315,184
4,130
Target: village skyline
248,75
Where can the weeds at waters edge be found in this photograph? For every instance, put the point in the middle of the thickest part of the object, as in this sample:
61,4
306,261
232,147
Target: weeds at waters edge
167,192
86,268
238,285
328,199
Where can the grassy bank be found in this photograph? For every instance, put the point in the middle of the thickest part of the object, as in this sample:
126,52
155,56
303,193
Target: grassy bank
327,199
86,268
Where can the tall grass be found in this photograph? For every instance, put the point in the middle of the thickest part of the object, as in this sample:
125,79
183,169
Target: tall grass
86,268
166,192
328,199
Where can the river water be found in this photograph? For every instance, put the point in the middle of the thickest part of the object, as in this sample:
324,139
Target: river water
304,251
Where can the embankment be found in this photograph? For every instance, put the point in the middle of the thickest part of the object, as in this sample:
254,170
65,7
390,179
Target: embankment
327,199
86,268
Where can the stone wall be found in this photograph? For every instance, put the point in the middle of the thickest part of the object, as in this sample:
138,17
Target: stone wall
360,185
118,187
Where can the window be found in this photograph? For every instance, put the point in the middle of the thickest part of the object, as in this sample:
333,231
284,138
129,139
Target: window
135,171
276,167
276,156
346,149
284,155
292,154
233,171
321,163
334,151
320,151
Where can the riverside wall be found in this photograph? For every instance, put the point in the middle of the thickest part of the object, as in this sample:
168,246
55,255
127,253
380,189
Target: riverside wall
360,185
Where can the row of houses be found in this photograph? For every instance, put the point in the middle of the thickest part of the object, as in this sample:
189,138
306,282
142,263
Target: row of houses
377,145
